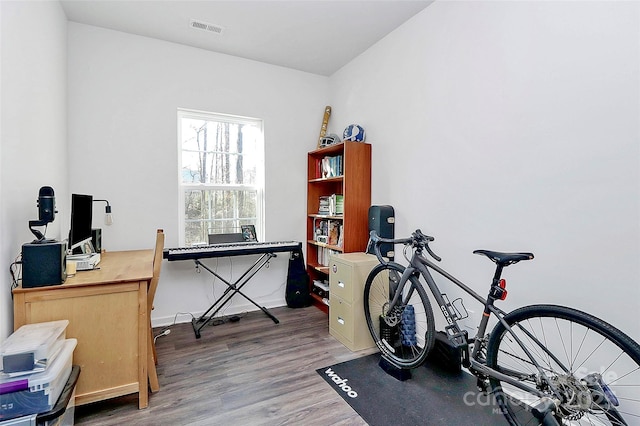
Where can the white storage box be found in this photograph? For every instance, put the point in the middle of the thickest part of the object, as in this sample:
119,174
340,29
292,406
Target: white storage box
31,346
21,421
41,390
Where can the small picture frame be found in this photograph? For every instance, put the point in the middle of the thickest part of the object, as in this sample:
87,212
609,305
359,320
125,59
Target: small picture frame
249,233
87,247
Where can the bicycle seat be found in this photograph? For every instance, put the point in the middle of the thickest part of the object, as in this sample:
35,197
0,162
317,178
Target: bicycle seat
504,259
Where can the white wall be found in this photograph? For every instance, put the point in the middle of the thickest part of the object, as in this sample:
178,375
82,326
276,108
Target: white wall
124,92
512,126
33,115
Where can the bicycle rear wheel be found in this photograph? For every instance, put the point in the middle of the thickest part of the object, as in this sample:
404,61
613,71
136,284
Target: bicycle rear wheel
404,334
593,369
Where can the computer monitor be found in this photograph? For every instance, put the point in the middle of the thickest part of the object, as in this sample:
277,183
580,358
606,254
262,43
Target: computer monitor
81,219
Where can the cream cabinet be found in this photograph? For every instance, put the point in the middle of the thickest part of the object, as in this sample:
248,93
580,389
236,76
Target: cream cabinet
347,275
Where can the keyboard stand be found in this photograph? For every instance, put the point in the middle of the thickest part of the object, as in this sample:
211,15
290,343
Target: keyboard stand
230,291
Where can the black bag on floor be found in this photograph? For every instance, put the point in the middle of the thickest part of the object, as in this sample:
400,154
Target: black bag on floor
297,291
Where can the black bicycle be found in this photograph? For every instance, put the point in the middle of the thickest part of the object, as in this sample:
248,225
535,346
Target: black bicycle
543,364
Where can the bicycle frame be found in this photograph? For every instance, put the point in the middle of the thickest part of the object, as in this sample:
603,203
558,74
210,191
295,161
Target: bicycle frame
419,266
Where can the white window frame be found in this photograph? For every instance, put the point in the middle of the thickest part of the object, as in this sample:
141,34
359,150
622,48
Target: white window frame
258,186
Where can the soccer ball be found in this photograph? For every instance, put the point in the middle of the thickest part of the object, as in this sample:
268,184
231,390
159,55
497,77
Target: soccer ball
353,132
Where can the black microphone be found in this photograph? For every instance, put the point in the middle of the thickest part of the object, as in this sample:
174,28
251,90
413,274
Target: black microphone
46,204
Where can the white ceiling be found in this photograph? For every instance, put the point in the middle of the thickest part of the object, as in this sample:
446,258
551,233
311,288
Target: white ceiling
307,35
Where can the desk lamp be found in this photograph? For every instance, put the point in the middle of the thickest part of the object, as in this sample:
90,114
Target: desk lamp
108,218
46,213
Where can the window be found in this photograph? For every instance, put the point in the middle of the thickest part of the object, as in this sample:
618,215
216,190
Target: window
221,176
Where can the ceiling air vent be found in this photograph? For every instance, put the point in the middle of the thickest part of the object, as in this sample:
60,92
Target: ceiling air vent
204,26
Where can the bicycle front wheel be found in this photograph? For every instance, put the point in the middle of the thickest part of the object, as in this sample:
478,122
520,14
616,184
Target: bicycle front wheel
405,333
591,370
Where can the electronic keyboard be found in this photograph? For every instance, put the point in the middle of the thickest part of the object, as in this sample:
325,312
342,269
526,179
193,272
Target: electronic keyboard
229,249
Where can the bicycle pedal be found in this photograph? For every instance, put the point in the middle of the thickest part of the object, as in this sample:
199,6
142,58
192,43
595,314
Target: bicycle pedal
482,385
459,343
457,337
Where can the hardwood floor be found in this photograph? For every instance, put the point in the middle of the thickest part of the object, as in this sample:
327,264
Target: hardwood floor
251,372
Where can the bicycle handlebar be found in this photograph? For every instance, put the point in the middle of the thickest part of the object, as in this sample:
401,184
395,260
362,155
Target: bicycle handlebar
417,240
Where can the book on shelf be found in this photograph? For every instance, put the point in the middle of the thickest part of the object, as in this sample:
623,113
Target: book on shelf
331,205
324,255
336,205
328,167
334,232
324,205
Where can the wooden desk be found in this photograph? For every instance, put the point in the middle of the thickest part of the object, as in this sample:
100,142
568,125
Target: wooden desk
107,313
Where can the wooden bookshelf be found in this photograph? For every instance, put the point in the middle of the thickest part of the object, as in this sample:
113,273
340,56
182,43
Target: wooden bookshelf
350,178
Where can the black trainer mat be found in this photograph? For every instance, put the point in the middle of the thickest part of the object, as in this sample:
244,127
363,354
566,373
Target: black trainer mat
434,395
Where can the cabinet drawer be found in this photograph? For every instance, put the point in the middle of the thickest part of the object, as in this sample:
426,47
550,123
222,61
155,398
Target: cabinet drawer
341,317
340,281
348,325
348,273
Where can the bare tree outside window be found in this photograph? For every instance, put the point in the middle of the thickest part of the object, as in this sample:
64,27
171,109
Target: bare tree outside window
221,174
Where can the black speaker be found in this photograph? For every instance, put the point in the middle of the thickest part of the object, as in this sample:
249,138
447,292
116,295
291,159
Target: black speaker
382,220
44,264
96,239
